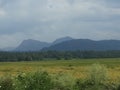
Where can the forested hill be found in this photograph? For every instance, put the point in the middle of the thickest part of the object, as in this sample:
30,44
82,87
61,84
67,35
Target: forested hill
32,45
35,45
86,45
60,40
68,44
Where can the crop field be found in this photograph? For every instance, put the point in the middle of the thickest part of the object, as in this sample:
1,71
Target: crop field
78,68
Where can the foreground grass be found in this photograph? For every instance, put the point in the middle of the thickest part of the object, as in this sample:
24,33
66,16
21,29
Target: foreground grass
97,79
77,68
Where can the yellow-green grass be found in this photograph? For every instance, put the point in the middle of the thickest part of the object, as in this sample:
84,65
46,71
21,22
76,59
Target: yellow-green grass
79,68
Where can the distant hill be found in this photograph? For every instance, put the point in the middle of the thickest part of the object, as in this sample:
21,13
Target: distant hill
67,44
57,41
32,45
86,44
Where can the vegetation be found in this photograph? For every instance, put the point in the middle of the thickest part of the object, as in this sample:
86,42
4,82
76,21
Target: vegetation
74,74
97,79
58,55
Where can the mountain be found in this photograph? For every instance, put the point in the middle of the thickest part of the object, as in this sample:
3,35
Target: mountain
57,41
31,45
86,44
69,44
34,45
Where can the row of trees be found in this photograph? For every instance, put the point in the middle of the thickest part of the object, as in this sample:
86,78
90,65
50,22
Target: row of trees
32,56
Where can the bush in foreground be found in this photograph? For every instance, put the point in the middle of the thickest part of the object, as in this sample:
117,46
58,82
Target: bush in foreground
6,83
36,81
97,80
63,82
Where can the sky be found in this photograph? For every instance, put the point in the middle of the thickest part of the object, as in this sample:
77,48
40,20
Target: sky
47,20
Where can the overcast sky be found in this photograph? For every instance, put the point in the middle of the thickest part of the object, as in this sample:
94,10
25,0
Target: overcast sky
46,20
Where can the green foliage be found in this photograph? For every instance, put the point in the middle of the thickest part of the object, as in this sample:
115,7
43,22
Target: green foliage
80,84
98,74
97,77
96,80
6,83
58,55
36,81
63,82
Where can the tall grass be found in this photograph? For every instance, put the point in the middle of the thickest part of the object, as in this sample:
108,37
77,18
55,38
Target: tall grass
97,80
63,82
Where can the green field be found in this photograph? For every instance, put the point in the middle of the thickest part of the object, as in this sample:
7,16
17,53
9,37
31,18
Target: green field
77,68
80,74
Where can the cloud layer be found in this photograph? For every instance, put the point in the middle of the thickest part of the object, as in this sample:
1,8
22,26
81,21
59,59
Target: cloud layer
47,20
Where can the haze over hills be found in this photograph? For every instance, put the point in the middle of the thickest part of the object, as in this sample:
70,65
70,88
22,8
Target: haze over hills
8,49
31,45
35,45
85,45
57,41
67,44
47,20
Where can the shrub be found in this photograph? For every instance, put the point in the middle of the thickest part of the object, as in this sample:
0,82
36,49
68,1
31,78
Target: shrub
98,74
80,84
36,81
63,82
6,83
96,79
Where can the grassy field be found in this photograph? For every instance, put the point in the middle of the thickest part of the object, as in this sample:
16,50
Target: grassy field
79,74
78,68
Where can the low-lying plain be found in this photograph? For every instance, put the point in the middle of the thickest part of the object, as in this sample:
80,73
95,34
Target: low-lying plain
104,70
76,67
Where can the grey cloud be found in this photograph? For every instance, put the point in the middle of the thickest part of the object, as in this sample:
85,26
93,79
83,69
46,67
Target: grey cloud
5,2
47,20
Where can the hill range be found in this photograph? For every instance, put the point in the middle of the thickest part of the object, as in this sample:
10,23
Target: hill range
68,44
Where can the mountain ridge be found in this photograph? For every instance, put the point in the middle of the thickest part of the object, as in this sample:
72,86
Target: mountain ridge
85,45
66,44
35,45
31,45
63,39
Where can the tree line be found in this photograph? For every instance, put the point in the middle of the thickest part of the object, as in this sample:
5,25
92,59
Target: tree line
57,55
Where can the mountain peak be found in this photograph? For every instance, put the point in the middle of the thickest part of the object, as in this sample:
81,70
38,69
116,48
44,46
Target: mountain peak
63,39
86,45
30,40
31,45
